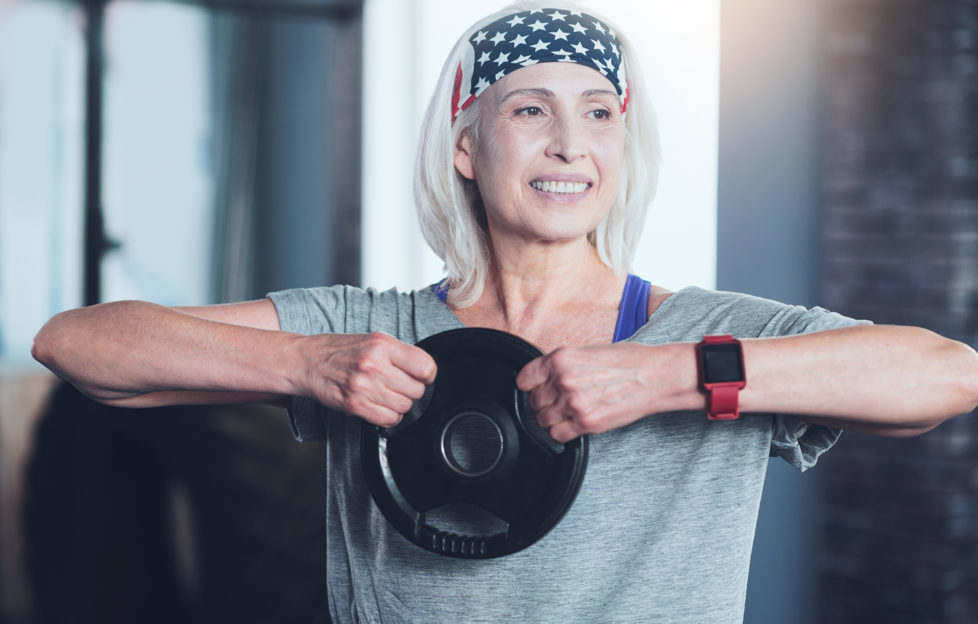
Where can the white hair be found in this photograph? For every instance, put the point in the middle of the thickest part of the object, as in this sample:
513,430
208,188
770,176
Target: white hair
450,208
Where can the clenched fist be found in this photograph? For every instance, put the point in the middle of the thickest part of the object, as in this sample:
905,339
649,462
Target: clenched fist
593,389
373,376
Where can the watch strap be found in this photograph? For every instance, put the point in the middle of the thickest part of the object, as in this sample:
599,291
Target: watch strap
723,402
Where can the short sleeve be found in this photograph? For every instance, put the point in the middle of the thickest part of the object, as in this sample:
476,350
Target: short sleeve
351,310
800,443
797,442
309,312
307,419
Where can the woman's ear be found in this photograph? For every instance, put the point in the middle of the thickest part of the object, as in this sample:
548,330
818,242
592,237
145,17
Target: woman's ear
465,156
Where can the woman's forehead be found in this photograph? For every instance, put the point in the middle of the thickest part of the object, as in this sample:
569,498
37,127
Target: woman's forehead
554,78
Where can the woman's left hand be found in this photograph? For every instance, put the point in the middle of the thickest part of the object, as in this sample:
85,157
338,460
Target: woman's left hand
593,389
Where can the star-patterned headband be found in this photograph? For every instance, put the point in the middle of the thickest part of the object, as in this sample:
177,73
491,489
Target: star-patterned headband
539,36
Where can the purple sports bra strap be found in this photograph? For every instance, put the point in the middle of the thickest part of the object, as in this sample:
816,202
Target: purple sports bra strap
441,289
634,309
633,312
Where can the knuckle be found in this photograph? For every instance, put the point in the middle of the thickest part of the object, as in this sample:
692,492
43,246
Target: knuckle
577,404
351,404
366,361
358,382
589,423
564,384
535,401
563,358
380,340
402,404
388,419
375,343
416,391
559,357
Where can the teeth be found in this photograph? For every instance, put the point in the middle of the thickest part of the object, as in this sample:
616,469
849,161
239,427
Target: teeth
560,187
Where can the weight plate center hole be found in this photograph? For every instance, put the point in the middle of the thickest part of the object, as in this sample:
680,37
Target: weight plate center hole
472,444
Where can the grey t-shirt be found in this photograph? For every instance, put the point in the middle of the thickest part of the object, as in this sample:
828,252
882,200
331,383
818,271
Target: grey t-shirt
661,530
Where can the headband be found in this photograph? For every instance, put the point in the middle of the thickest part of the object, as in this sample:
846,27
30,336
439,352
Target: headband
538,36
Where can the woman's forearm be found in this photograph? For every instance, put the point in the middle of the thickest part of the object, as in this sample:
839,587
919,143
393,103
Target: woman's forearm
140,354
874,378
885,380
117,352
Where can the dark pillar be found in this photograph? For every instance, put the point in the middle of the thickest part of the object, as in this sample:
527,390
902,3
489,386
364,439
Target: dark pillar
900,236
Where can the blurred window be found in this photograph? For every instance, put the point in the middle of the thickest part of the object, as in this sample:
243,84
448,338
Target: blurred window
157,185
41,154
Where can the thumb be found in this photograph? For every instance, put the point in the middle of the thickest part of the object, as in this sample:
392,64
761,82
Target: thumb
532,375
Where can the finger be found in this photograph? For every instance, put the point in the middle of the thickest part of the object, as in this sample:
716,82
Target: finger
543,396
536,372
414,361
381,416
565,431
383,404
399,382
550,416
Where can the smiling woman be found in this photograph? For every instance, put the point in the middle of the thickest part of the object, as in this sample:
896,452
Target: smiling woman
474,65
686,93
536,166
548,161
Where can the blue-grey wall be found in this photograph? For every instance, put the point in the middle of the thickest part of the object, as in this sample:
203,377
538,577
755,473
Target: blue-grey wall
308,199
768,246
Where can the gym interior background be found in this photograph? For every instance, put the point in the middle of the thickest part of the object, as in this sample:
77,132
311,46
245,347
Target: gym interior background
214,150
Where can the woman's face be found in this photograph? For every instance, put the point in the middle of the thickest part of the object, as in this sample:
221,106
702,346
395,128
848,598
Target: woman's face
550,149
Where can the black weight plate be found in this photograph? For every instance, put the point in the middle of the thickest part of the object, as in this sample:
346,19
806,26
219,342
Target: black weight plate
473,440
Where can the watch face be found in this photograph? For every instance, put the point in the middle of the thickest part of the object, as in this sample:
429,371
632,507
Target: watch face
722,363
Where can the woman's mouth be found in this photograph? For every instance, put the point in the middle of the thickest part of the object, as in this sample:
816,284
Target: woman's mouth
565,188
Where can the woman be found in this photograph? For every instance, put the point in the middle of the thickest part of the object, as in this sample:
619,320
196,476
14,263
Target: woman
537,163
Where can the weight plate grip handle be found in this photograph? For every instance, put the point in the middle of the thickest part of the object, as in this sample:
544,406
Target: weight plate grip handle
461,545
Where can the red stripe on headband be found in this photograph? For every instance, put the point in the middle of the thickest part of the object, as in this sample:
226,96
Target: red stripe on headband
457,92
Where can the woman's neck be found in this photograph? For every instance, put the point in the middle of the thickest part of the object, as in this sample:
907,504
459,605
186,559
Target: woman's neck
551,295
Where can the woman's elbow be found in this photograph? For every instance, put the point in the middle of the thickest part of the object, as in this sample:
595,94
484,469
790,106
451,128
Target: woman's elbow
44,346
955,392
969,377
55,344
961,368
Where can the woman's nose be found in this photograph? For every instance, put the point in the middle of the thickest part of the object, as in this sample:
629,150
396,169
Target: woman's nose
566,141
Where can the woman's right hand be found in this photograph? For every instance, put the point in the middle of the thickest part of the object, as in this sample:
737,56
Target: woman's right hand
139,354
373,376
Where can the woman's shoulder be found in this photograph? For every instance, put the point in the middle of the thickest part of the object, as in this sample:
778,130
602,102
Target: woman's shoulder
657,296
692,312
699,297
347,295
345,308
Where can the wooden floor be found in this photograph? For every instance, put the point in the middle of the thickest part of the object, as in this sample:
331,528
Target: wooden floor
23,391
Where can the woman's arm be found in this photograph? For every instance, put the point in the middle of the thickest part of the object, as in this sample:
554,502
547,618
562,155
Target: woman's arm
140,354
886,380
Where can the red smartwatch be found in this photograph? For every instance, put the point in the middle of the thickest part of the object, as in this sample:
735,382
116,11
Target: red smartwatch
720,362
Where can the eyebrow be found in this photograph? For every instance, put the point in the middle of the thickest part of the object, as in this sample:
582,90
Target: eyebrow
547,93
543,93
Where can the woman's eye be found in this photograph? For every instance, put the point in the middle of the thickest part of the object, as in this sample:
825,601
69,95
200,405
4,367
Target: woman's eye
530,111
601,114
